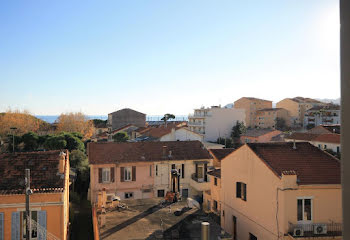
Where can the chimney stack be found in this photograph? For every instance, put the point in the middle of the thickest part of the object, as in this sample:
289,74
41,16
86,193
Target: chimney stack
164,151
62,162
294,145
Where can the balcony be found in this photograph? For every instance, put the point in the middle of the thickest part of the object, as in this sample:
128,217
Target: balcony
196,123
315,230
196,115
200,184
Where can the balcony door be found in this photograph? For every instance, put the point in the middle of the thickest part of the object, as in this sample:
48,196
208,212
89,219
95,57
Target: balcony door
304,209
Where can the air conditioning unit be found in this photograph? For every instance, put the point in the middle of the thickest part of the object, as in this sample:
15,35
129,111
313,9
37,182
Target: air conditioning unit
298,232
320,229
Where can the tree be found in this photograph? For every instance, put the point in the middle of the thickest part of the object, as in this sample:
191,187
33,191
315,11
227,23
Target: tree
73,142
31,141
166,117
120,137
55,142
77,158
225,141
75,122
280,124
237,130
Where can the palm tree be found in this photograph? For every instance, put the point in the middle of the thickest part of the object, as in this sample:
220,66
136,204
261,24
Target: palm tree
166,117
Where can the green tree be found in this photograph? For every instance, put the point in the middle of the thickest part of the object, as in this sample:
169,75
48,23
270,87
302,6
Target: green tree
166,117
73,142
31,141
55,142
120,137
280,124
237,130
77,159
225,141
17,140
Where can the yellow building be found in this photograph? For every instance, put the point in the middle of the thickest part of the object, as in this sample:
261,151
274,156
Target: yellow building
281,191
266,118
49,203
251,106
297,108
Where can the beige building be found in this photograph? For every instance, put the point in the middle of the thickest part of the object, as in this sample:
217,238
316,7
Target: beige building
215,122
251,106
266,118
297,107
281,191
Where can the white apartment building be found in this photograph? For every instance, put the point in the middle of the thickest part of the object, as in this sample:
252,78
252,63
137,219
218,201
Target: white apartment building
215,122
322,115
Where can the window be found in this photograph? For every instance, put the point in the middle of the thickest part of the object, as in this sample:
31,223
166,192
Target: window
106,175
128,195
247,140
208,205
156,170
183,170
172,166
319,146
234,223
241,191
338,149
160,193
34,233
150,170
215,181
215,205
325,146
252,237
304,209
127,174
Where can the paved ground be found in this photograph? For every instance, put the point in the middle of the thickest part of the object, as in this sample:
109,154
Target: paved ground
146,219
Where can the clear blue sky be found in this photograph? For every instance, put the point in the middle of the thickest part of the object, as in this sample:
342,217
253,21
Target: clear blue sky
164,56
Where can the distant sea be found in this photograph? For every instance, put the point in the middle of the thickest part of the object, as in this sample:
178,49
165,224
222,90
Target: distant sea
53,118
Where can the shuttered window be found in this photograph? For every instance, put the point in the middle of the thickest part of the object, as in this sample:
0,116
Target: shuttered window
183,170
100,175
133,173
112,174
241,190
15,226
1,226
42,223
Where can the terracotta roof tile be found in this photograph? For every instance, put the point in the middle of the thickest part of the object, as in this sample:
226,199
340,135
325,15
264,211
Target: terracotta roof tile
328,138
302,136
43,168
219,154
111,152
257,132
312,165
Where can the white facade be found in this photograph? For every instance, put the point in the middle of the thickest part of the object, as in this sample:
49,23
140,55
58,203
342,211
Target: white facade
324,117
182,134
215,122
162,177
335,147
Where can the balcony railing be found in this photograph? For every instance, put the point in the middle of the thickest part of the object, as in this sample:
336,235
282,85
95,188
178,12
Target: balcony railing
196,115
315,229
199,180
196,123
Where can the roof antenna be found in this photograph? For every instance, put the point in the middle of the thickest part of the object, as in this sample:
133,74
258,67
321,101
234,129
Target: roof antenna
294,145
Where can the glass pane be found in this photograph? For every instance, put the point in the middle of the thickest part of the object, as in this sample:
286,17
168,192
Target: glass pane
300,210
200,172
307,209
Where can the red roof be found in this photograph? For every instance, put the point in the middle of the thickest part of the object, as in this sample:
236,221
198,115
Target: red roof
111,152
220,154
328,138
43,171
312,165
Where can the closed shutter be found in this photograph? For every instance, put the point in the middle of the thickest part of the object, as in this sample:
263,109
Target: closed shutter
100,175
122,174
1,226
238,190
134,173
15,226
205,172
183,170
112,174
42,223
196,171
244,191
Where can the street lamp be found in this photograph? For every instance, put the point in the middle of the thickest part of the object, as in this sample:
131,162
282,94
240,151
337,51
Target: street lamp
13,138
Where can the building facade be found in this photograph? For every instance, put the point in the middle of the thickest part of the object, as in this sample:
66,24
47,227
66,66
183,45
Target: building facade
49,203
251,106
215,122
281,191
125,117
267,117
322,115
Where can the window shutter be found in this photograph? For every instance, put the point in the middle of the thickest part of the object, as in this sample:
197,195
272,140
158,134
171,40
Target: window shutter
134,173
238,190
205,172
122,174
196,171
112,174
244,192
1,226
183,170
42,223
100,175
15,226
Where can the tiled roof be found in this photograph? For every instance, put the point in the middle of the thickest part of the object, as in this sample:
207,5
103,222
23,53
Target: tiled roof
269,109
328,138
257,132
256,99
221,153
325,107
100,153
332,128
301,136
312,165
304,100
43,171
215,173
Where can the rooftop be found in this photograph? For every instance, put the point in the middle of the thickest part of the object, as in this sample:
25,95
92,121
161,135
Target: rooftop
111,152
269,109
221,153
215,173
257,132
43,171
312,165
326,138
304,100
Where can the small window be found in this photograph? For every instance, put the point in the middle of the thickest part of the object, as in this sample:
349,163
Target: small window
127,174
241,191
252,237
150,170
215,181
319,146
304,212
338,149
128,195
156,170
215,205
106,175
325,146
160,193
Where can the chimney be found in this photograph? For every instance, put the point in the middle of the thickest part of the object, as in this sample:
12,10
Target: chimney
333,130
62,162
164,151
294,145
170,154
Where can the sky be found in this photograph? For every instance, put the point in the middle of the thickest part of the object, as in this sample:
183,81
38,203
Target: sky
164,56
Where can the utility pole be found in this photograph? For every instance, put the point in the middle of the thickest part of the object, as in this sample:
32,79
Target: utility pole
28,213
13,138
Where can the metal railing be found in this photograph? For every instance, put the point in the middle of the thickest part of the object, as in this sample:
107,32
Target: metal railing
199,180
315,229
